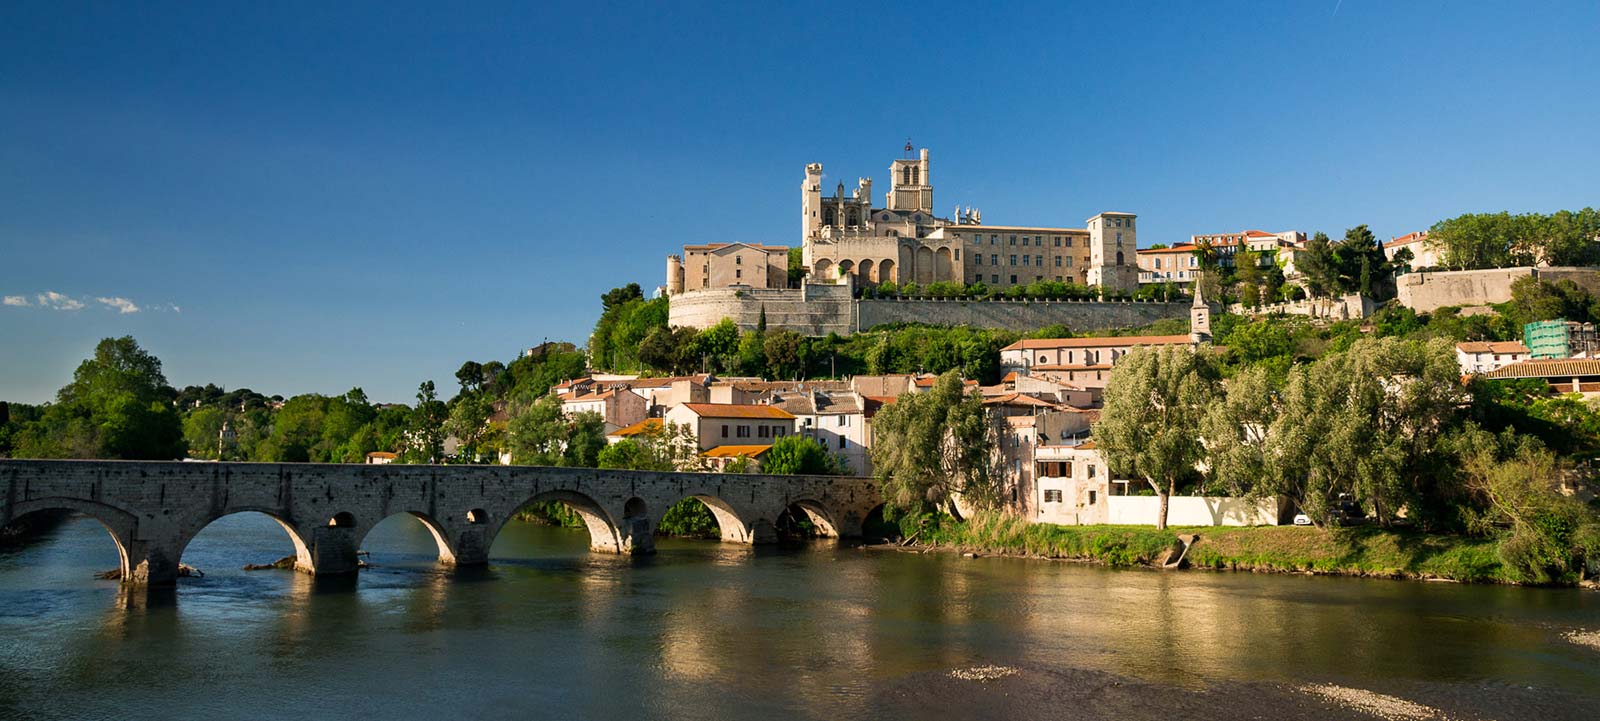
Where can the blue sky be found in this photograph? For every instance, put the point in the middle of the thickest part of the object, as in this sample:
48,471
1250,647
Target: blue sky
304,198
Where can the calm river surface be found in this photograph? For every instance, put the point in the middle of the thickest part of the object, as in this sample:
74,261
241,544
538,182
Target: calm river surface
703,630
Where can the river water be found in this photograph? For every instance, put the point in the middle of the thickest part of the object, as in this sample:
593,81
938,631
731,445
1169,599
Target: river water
703,630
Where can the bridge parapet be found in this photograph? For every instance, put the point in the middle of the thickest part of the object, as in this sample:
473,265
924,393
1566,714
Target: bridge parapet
153,509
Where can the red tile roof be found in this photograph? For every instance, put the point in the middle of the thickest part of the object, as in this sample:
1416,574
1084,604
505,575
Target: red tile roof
737,451
729,410
645,426
1406,239
1508,346
1557,368
1109,342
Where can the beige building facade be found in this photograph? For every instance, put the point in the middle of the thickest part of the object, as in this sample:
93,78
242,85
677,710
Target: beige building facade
723,265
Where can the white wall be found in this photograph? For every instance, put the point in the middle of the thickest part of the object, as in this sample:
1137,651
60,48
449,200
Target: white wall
1191,511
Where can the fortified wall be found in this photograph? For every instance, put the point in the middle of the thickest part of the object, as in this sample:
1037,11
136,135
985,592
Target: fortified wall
1428,291
822,309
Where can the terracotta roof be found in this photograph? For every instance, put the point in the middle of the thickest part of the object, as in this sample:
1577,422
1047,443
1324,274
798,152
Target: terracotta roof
665,381
1407,239
1179,248
647,425
1559,368
1009,377
928,381
730,410
881,400
736,451
576,397
1509,346
1111,342
1086,445
1018,399
382,454
1259,234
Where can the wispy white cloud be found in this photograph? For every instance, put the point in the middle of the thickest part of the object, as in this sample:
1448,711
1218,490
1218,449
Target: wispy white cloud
123,305
52,299
20,301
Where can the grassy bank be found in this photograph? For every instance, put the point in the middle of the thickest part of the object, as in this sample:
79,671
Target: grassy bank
1288,549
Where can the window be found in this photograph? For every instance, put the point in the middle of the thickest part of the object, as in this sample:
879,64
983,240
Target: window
1038,260
1091,497
738,260
1025,259
844,421
1069,261
1024,240
761,431
1069,241
977,259
724,430
1091,470
841,442
1052,495
738,273
958,254
1058,241
1013,280
994,240
743,431
1119,239
1013,259
1013,240
994,279
1058,261
994,259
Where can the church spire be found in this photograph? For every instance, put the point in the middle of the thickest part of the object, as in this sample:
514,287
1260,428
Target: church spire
1199,317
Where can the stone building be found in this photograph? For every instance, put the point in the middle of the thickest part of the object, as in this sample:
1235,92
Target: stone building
903,241
724,265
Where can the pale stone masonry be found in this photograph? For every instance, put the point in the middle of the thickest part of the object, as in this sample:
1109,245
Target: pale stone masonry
153,509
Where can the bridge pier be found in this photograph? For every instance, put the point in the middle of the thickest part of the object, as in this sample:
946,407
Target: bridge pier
471,549
332,552
150,564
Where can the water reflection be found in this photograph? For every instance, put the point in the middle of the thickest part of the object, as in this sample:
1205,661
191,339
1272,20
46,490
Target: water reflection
707,630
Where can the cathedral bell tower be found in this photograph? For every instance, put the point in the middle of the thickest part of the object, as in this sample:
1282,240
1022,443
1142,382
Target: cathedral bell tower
912,188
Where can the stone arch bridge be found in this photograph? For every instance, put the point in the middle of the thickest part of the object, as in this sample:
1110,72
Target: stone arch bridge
154,508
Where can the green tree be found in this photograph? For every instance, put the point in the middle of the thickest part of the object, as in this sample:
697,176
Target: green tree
118,405
929,448
798,455
1149,426
1320,267
425,427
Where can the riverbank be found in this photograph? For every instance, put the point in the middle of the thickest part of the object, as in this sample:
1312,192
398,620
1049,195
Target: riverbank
1024,693
1361,551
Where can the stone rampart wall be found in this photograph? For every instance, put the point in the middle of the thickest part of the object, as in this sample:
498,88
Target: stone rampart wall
1017,315
1424,292
1429,291
822,309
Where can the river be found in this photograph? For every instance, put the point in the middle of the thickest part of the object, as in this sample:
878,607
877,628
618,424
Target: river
703,630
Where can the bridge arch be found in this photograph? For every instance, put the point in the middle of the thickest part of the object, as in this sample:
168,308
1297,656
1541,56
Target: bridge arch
441,536
603,534
814,511
304,559
119,524
736,523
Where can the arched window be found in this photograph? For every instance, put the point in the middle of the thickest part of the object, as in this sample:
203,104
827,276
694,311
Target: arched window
1119,257
827,216
905,175
916,176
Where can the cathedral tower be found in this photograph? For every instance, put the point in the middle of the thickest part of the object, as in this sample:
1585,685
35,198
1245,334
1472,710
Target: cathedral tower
912,188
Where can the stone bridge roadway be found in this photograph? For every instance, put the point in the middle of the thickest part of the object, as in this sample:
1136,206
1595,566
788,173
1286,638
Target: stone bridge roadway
154,509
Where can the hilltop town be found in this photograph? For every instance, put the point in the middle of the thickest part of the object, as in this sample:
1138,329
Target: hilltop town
976,368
